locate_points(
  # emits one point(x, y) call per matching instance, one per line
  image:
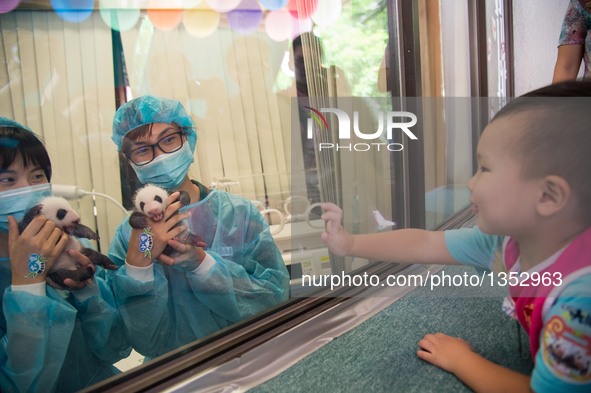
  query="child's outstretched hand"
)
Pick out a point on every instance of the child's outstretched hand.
point(339, 241)
point(444, 351)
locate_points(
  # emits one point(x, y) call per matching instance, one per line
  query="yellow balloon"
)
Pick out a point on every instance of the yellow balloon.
point(201, 22)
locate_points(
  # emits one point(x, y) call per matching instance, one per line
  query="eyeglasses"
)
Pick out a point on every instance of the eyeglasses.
point(145, 154)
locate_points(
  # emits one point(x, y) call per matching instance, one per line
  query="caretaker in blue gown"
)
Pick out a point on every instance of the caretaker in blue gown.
point(170, 300)
point(51, 340)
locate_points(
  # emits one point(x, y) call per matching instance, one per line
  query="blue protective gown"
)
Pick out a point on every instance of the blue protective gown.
point(57, 342)
point(178, 307)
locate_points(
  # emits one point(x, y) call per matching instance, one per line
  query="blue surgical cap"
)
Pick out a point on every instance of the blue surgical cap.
point(149, 109)
point(9, 123)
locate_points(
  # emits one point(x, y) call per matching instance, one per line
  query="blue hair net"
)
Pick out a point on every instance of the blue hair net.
point(149, 109)
point(9, 123)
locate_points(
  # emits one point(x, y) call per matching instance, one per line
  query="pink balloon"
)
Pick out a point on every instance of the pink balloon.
point(278, 25)
point(8, 5)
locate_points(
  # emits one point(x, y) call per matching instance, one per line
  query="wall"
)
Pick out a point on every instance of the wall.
point(536, 29)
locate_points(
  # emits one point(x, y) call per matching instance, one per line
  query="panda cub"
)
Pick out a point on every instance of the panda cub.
point(150, 201)
point(60, 212)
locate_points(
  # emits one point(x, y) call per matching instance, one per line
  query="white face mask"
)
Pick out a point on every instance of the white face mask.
point(18, 201)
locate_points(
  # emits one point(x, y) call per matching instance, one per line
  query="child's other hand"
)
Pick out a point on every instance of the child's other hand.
point(443, 351)
point(339, 241)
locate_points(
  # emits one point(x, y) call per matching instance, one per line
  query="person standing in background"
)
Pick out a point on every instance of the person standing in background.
point(575, 43)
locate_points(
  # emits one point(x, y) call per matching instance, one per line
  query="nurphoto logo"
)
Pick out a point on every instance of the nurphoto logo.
point(387, 123)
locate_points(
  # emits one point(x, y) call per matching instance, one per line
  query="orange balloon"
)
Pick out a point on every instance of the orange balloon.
point(165, 20)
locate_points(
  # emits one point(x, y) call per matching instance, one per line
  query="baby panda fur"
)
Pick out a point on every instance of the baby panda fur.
point(60, 212)
point(150, 201)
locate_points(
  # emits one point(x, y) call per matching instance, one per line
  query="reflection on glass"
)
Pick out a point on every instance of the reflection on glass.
point(242, 91)
point(60, 330)
point(243, 275)
point(230, 270)
point(497, 58)
point(235, 87)
point(448, 122)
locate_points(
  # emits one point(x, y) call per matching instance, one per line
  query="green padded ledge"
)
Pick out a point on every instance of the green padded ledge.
point(380, 354)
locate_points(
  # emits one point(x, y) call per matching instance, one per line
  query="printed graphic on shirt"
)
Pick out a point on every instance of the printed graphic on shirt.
point(567, 351)
point(528, 310)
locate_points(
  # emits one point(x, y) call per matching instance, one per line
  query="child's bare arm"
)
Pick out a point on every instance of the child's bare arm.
point(456, 356)
point(402, 246)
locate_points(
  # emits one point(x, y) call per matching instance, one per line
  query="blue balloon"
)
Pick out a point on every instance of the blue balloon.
point(74, 11)
point(273, 4)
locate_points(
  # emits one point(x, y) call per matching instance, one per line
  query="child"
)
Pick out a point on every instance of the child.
point(52, 340)
point(531, 196)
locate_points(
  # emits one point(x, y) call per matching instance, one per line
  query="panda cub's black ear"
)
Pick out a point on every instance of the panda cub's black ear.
point(184, 198)
point(29, 216)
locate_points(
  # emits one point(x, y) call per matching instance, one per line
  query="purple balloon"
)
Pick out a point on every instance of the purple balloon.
point(8, 5)
point(274, 4)
point(245, 18)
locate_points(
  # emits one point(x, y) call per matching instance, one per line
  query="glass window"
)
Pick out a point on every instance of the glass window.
point(267, 84)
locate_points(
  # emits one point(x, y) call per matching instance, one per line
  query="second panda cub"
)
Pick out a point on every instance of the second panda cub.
point(60, 212)
point(150, 201)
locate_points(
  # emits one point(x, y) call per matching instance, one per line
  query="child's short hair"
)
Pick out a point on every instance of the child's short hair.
point(15, 141)
point(556, 137)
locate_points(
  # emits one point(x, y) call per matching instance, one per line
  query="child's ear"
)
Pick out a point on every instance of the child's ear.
point(555, 194)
